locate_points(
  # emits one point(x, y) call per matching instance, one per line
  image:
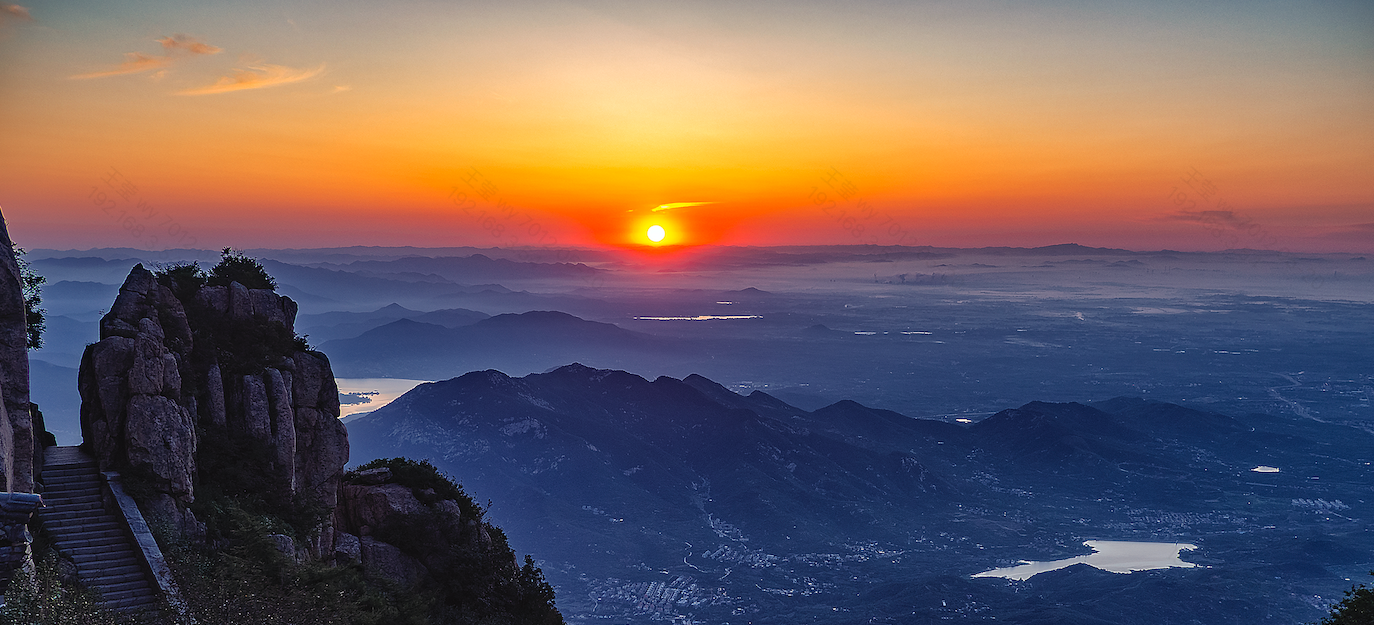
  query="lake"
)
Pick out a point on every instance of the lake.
point(1117, 556)
point(379, 392)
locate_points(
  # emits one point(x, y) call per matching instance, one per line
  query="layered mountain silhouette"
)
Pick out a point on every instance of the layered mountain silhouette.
point(328, 326)
point(531, 341)
point(604, 473)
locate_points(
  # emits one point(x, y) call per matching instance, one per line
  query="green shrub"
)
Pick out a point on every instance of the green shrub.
point(1357, 608)
point(32, 285)
point(236, 267)
point(184, 279)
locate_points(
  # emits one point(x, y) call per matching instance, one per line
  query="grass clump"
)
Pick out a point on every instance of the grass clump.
point(53, 597)
point(244, 579)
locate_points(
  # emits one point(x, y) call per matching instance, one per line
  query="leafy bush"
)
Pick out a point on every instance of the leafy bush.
point(248, 346)
point(236, 267)
point(35, 317)
point(184, 279)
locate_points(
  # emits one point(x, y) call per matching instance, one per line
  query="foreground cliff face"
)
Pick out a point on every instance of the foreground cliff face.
point(17, 432)
point(172, 367)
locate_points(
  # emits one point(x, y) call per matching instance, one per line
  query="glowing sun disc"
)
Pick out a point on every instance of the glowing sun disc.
point(656, 233)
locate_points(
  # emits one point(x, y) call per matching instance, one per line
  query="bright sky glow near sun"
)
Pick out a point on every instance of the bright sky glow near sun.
point(291, 124)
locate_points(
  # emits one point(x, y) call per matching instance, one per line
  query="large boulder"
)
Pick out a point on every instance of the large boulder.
point(388, 561)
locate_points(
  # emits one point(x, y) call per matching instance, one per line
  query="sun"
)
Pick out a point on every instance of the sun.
point(656, 233)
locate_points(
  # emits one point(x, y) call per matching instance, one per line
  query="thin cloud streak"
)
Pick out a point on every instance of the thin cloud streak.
point(188, 44)
point(137, 62)
point(668, 207)
point(134, 63)
point(255, 77)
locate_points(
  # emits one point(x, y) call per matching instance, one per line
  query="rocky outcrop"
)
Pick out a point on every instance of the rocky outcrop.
point(403, 534)
point(18, 443)
point(167, 367)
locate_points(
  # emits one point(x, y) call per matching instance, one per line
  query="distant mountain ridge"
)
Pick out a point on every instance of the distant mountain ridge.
point(614, 478)
point(530, 341)
point(479, 267)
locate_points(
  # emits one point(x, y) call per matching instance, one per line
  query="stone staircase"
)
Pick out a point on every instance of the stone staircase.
point(95, 539)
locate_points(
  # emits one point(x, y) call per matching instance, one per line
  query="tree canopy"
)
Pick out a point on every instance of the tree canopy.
point(1356, 609)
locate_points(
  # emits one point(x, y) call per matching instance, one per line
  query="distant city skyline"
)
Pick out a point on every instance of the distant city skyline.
point(1162, 126)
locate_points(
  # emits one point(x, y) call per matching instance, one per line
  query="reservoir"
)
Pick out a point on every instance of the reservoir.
point(1117, 556)
point(378, 391)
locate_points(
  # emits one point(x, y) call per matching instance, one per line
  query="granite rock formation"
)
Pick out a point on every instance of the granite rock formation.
point(19, 451)
point(173, 365)
point(20, 421)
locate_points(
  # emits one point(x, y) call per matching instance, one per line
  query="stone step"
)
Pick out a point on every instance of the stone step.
point(104, 554)
point(68, 486)
point(121, 578)
point(100, 567)
point(48, 478)
point(113, 532)
point(121, 595)
point(69, 470)
point(95, 561)
point(50, 496)
point(65, 456)
point(89, 551)
point(89, 524)
point(103, 541)
point(102, 575)
point(133, 604)
point(74, 496)
point(62, 516)
point(123, 586)
point(75, 504)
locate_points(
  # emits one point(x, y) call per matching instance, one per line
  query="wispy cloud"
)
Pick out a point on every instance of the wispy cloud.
point(137, 62)
point(14, 12)
point(188, 44)
point(668, 207)
point(134, 62)
point(258, 76)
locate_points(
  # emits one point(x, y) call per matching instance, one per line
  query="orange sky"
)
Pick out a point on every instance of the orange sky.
point(259, 125)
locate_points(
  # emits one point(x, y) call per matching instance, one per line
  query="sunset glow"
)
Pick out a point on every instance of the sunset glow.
point(959, 125)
